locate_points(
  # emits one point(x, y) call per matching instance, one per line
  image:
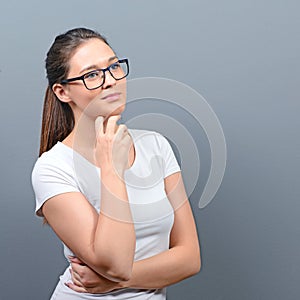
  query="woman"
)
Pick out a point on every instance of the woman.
point(114, 196)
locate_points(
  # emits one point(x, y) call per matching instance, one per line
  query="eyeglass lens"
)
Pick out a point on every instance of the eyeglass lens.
point(95, 79)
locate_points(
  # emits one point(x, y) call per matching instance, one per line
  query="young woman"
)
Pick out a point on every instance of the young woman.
point(113, 195)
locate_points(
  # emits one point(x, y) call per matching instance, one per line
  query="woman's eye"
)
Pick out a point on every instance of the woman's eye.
point(115, 66)
point(92, 75)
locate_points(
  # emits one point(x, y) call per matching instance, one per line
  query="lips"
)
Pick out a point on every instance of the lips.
point(111, 97)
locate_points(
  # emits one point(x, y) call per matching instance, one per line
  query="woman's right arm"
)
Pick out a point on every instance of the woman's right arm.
point(105, 241)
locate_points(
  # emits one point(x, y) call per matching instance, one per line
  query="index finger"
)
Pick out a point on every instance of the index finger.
point(99, 125)
point(111, 124)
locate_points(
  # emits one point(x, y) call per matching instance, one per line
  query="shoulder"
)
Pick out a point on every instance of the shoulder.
point(56, 160)
point(53, 174)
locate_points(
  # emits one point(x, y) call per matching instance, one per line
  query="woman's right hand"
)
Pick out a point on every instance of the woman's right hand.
point(112, 145)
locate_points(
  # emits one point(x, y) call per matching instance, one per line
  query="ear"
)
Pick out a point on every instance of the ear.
point(61, 92)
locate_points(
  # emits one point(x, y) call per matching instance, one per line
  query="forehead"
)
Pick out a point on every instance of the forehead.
point(91, 52)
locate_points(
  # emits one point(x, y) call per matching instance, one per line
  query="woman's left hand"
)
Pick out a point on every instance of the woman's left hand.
point(85, 280)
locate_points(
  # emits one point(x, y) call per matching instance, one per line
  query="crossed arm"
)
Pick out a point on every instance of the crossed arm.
point(180, 261)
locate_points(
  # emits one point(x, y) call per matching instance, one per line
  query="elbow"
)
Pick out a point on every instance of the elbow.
point(112, 267)
point(119, 275)
point(120, 271)
point(195, 265)
point(114, 272)
point(196, 261)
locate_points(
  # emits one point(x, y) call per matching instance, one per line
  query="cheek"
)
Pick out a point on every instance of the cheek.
point(87, 101)
point(122, 85)
point(95, 107)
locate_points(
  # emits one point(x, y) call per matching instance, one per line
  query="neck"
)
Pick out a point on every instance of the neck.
point(83, 137)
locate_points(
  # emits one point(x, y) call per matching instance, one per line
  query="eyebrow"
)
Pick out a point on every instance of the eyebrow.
point(92, 67)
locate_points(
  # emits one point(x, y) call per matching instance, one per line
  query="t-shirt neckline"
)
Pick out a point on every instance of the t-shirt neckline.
point(71, 150)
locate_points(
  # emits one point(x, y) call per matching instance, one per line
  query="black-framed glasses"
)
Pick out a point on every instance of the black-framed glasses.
point(96, 78)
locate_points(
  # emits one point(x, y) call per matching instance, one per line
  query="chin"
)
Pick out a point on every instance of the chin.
point(94, 110)
point(117, 111)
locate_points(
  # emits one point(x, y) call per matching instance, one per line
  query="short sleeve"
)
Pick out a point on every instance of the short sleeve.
point(50, 179)
point(170, 163)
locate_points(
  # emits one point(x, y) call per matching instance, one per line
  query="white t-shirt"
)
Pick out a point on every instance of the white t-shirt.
point(62, 170)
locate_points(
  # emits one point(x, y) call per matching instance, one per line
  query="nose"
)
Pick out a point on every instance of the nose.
point(109, 80)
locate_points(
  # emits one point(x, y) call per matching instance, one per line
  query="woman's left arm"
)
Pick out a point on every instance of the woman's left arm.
point(181, 261)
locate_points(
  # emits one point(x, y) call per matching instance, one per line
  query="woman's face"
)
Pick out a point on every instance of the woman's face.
point(107, 100)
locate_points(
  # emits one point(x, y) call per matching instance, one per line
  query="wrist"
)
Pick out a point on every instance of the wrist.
point(112, 172)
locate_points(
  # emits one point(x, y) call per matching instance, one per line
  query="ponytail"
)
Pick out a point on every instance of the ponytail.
point(57, 121)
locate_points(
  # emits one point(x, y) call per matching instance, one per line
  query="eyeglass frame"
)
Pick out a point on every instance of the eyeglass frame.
point(66, 81)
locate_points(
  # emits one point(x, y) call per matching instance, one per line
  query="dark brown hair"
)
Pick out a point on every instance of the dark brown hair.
point(58, 119)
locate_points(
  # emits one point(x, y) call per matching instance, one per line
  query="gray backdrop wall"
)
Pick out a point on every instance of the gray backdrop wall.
point(244, 58)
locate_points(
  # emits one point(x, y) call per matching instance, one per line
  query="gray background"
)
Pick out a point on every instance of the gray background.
point(243, 57)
